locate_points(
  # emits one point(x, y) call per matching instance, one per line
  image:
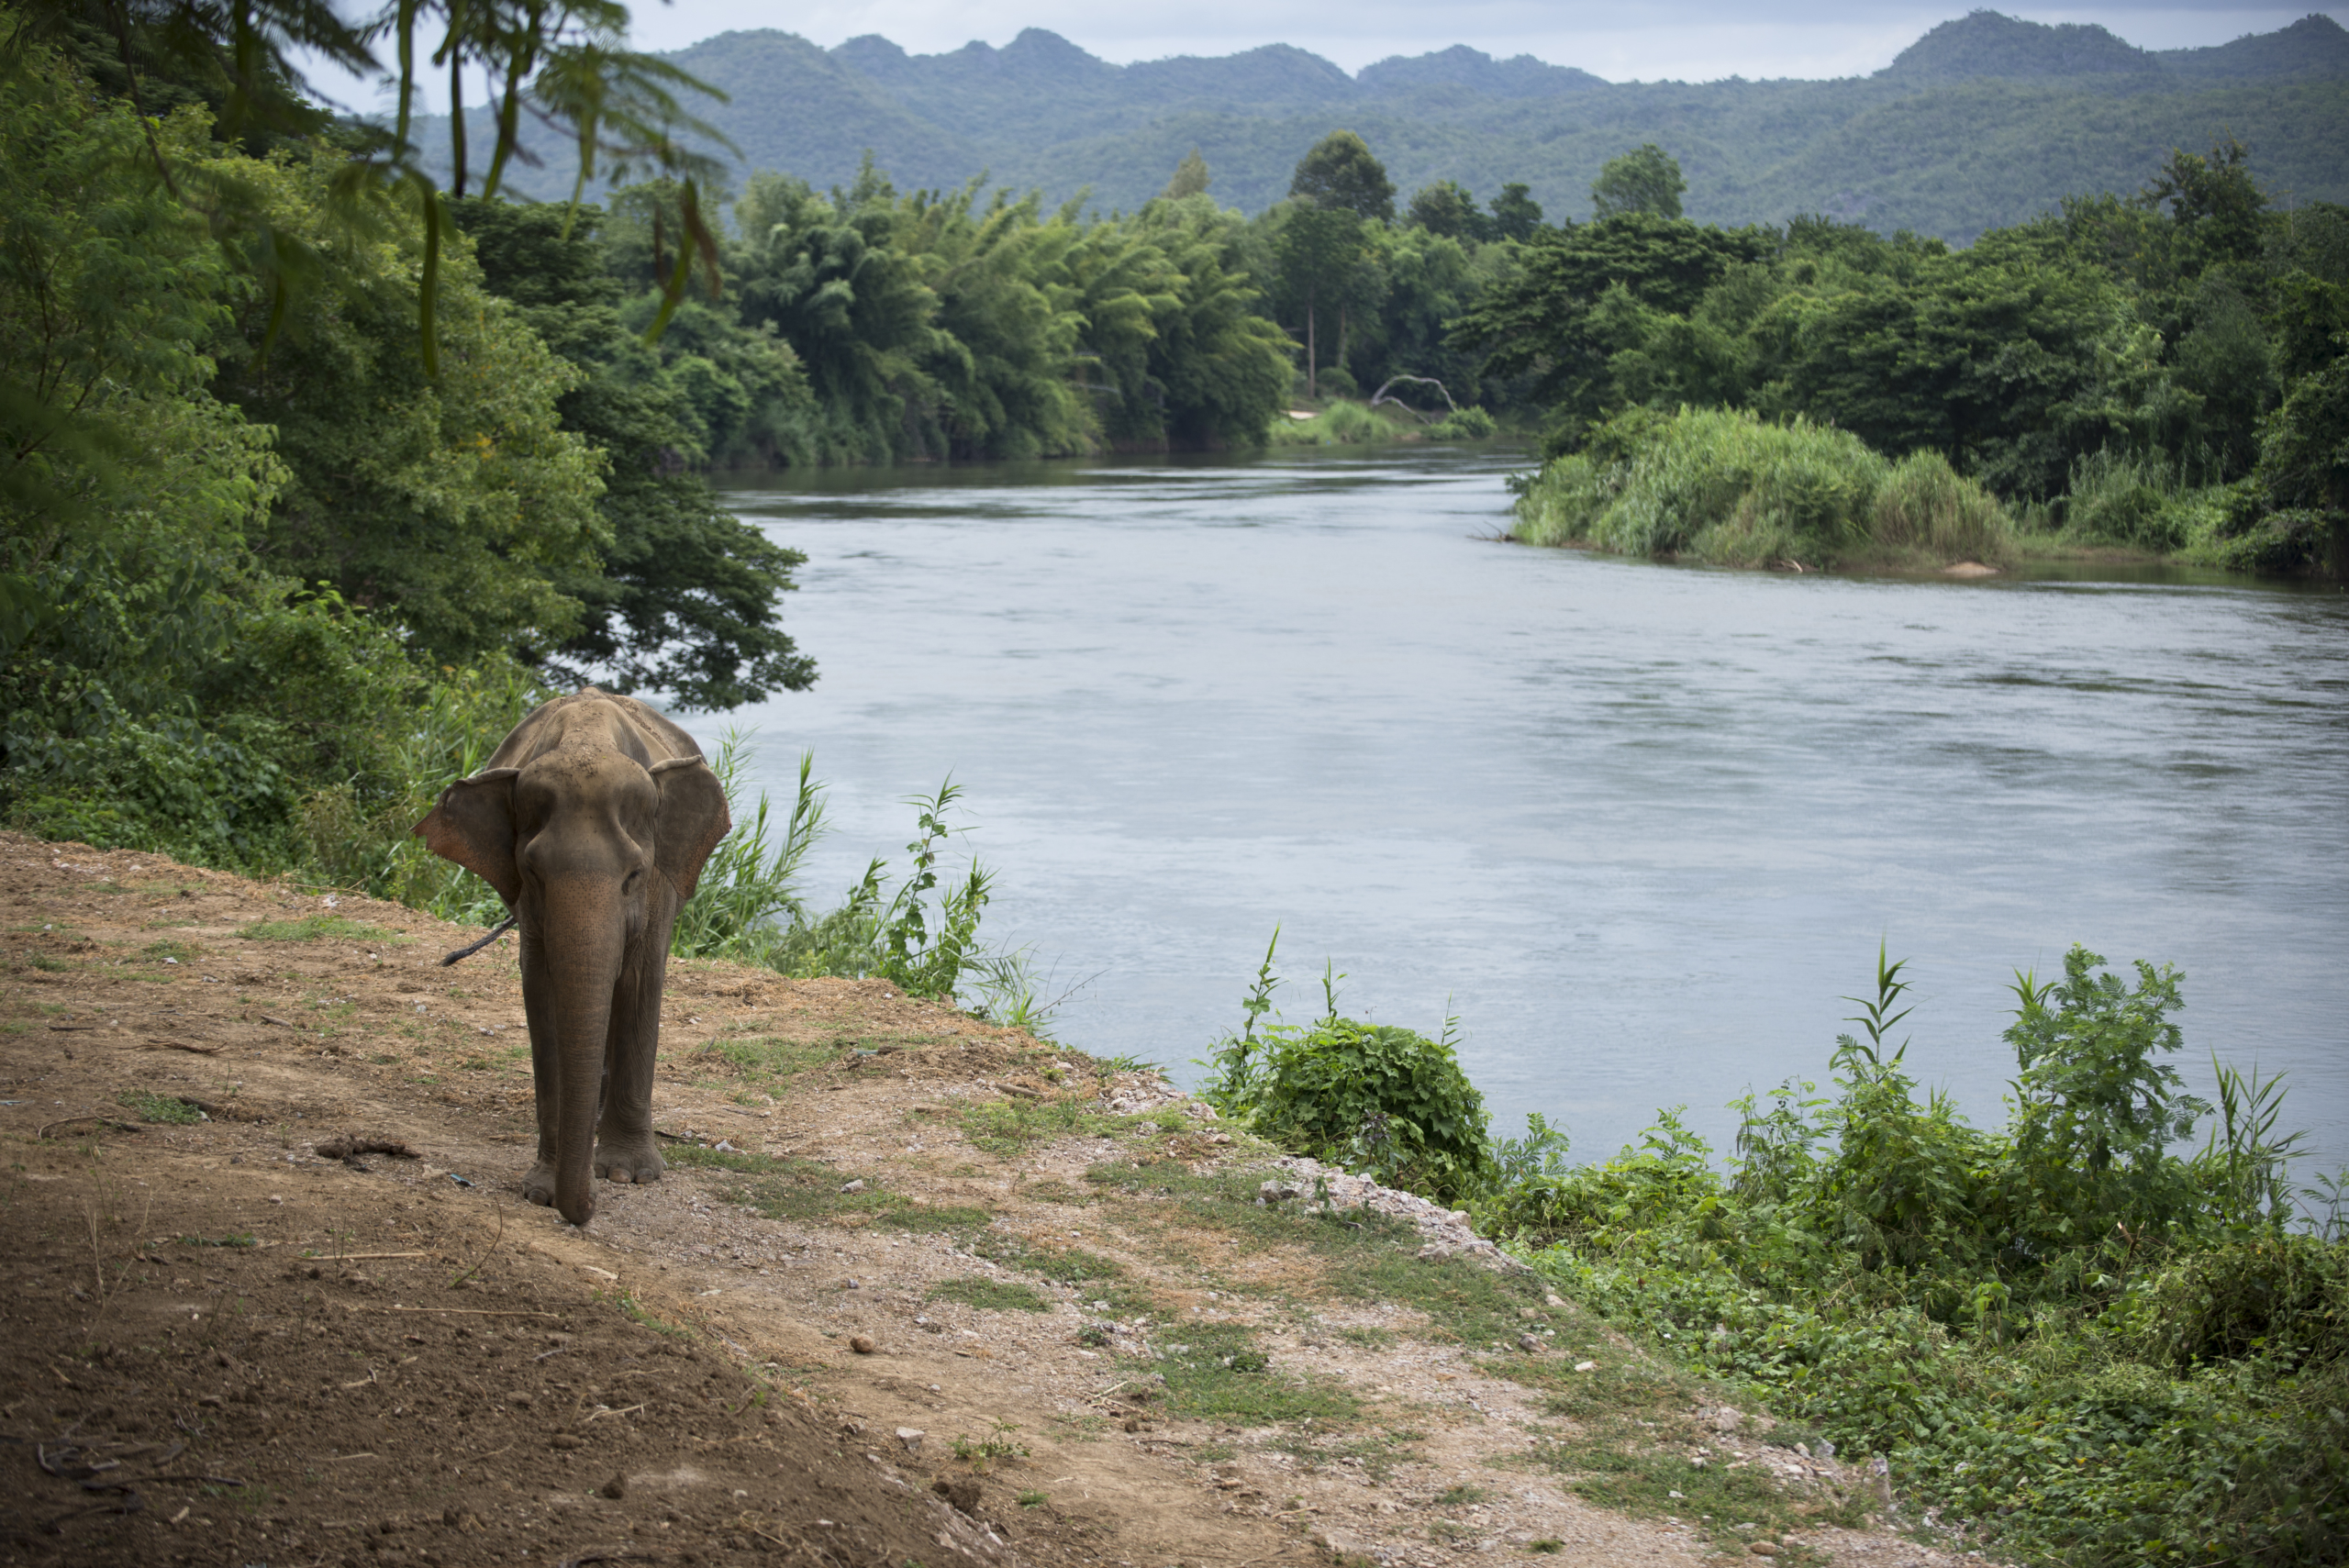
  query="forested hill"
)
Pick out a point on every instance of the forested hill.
point(1984, 121)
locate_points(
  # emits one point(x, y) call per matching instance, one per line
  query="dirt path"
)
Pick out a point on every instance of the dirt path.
point(916, 1290)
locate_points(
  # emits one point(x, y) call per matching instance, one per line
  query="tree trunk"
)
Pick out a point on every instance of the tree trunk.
point(1312, 383)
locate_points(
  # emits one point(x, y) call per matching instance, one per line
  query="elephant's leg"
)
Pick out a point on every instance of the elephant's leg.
point(625, 1148)
point(538, 993)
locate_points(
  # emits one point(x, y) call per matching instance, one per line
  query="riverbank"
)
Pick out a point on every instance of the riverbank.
point(913, 1286)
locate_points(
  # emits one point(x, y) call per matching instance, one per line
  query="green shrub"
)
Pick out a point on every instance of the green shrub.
point(1469, 424)
point(1923, 504)
point(1340, 424)
point(2127, 498)
point(1368, 1097)
point(1726, 486)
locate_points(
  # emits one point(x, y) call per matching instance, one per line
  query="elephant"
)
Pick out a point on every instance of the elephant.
point(592, 819)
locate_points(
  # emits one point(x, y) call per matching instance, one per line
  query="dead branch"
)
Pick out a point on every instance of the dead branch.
point(105, 1121)
point(1380, 395)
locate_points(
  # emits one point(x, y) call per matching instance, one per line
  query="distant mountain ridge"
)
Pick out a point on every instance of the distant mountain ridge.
point(1983, 120)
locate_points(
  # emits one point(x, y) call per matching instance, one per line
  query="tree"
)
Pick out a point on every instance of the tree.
point(1516, 215)
point(2213, 201)
point(453, 503)
point(1213, 373)
point(1322, 258)
point(687, 597)
point(1190, 177)
point(1340, 174)
point(1448, 208)
point(1647, 180)
point(1556, 314)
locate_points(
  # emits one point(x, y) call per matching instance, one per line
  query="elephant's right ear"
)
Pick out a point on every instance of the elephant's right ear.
point(473, 826)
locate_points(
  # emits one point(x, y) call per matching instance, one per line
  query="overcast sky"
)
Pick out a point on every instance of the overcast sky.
point(1690, 40)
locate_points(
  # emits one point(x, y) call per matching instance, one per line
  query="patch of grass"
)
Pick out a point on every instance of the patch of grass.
point(42, 960)
point(1217, 1372)
point(700, 1157)
point(1011, 1127)
point(1375, 1257)
point(477, 1064)
point(805, 1191)
point(989, 1294)
point(771, 1059)
point(1621, 1382)
point(1464, 1303)
point(1377, 1455)
point(638, 1313)
point(1068, 1265)
point(319, 927)
point(1461, 1496)
point(1619, 1464)
point(234, 1239)
point(168, 1110)
point(164, 950)
point(1368, 1338)
point(1056, 1192)
point(1034, 1499)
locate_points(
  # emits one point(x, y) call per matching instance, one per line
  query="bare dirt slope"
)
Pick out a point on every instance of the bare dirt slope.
point(915, 1290)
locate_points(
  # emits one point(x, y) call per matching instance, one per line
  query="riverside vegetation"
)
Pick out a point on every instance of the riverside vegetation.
point(2077, 1335)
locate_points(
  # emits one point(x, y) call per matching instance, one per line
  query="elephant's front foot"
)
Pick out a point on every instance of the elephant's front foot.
point(537, 1187)
point(627, 1159)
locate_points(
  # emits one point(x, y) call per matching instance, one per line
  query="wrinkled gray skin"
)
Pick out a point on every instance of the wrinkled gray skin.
point(592, 821)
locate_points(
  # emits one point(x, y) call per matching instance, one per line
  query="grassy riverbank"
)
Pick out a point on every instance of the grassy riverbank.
point(2077, 1336)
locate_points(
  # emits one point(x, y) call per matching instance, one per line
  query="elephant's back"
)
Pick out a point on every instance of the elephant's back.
point(591, 719)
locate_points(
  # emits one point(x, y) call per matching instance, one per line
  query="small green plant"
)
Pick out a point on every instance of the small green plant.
point(168, 1110)
point(1461, 1495)
point(1096, 1336)
point(1002, 1441)
point(1032, 1499)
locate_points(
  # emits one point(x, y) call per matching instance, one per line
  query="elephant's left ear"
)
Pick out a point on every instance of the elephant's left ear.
point(692, 819)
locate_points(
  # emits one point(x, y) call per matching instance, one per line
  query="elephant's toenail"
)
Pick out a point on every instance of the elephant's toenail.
point(621, 1175)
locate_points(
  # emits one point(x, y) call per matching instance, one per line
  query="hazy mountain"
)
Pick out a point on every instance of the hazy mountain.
point(1983, 120)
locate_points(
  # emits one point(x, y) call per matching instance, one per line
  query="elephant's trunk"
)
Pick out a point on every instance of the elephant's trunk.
point(585, 946)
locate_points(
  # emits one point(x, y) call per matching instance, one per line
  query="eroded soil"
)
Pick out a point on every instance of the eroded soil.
point(914, 1290)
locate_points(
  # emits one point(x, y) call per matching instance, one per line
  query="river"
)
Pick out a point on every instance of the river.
point(1641, 827)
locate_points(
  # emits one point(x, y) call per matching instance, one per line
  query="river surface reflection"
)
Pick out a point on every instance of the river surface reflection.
point(1640, 826)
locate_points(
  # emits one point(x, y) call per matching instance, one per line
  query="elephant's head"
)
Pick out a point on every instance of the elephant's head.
point(593, 852)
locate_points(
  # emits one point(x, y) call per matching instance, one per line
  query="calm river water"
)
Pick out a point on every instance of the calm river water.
point(1641, 827)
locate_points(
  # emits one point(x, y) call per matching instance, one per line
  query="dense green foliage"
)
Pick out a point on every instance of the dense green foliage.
point(1976, 126)
point(1376, 1097)
point(266, 581)
point(866, 326)
point(2159, 373)
point(2078, 1336)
